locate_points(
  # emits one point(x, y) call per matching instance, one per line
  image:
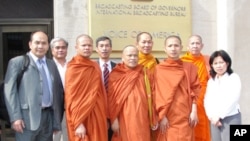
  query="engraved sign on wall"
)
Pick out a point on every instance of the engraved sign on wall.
point(122, 20)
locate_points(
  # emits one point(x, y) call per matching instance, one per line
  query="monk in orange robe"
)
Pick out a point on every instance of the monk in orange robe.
point(176, 90)
point(195, 45)
point(144, 43)
point(85, 96)
point(127, 99)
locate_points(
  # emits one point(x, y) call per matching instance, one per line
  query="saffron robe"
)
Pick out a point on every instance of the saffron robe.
point(85, 99)
point(147, 60)
point(176, 88)
point(127, 101)
point(202, 129)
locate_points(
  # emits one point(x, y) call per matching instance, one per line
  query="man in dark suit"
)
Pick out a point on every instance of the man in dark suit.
point(59, 50)
point(36, 108)
point(104, 48)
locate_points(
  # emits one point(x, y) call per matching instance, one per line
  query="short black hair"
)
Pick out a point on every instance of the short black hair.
point(34, 32)
point(103, 38)
point(225, 56)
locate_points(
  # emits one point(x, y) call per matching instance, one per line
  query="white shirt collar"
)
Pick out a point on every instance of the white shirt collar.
point(58, 64)
point(101, 63)
point(225, 75)
point(35, 58)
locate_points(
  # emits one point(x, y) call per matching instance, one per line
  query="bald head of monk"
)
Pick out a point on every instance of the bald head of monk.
point(173, 47)
point(144, 42)
point(130, 56)
point(195, 45)
point(84, 45)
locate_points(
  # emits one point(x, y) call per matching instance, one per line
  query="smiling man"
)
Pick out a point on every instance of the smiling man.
point(59, 47)
point(127, 99)
point(104, 49)
point(144, 43)
point(36, 107)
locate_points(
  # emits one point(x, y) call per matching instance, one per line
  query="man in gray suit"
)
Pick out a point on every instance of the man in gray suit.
point(36, 108)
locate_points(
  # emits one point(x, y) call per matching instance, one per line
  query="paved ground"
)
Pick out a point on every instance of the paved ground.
point(7, 134)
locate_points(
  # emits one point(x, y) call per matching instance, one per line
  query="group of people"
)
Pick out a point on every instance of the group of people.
point(180, 98)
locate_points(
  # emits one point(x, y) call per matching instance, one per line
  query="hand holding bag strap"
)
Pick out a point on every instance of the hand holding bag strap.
point(24, 68)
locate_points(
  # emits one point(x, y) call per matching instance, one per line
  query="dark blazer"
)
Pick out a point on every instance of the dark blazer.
point(110, 132)
point(113, 64)
point(25, 103)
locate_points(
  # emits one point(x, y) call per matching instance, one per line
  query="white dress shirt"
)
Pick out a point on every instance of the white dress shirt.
point(101, 64)
point(47, 74)
point(222, 96)
point(62, 70)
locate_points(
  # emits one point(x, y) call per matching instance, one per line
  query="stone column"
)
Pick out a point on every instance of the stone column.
point(70, 20)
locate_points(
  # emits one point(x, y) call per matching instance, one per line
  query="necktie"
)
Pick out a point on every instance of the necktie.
point(45, 84)
point(106, 75)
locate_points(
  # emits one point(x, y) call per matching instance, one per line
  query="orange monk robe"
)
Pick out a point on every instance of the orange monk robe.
point(176, 87)
point(147, 60)
point(202, 130)
point(127, 101)
point(85, 99)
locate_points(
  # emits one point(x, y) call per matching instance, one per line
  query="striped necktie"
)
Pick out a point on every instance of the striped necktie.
point(106, 75)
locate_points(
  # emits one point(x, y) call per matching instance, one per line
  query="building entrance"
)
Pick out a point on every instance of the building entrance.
point(14, 41)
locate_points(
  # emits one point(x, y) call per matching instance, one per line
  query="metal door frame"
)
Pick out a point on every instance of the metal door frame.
point(22, 25)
